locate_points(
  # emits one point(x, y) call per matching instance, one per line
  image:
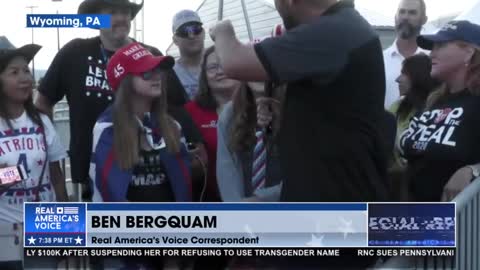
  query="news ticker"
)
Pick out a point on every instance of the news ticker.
point(239, 252)
point(238, 225)
point(95, 21)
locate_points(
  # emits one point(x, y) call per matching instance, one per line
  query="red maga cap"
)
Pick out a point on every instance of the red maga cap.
point(134, 59)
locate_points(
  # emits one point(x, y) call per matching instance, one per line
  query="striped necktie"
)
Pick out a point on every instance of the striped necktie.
point(259, 162)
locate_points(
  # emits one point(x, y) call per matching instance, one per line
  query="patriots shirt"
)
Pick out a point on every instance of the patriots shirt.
point(24, 145)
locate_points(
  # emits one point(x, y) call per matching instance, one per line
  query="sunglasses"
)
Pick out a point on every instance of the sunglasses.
point(148, 75)
point(189, 30)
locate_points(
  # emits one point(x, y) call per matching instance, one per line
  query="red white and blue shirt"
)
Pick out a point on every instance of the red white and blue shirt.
point(156, 170)
point(24, 144)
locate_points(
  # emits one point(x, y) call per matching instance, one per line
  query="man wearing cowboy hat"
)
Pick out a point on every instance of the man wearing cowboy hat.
point(78, 72)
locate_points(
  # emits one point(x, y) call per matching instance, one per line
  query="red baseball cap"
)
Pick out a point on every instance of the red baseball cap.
point(134, 59)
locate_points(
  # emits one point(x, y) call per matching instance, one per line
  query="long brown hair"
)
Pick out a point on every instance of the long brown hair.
point(31, 110)
point(126, 127)
point(204, 97)
point(473, 73)
point(418, 68)
point(244, 120)
point(244, 117)
point(472, 79)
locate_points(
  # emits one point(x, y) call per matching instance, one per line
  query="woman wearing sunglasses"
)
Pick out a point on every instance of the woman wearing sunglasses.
point(138, 152)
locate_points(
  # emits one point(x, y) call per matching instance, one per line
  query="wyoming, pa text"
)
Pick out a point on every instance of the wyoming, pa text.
point(96, 21)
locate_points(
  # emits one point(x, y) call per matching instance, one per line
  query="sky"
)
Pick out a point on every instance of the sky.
point(158, 18)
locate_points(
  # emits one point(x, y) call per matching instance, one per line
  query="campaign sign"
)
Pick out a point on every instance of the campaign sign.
point(411, 225)
point(55, 225)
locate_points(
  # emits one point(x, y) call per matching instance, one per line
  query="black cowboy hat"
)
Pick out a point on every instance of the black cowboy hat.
point(94, 6)
point(8, 52)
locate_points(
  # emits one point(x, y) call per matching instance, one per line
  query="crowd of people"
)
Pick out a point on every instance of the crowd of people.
point(314, 113)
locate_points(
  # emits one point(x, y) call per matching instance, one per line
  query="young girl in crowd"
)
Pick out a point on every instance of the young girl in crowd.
point(139, 153)
point(215, 90)
point(415, 84)
point(27, 139)
point(248, 168)
point(443, 140)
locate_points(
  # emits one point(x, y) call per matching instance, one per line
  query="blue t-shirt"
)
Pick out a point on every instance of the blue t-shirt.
point(188, 79)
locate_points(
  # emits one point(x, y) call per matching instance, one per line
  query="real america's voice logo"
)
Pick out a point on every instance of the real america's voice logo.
point(52, 217)
point(95, 21)
point(55, 225)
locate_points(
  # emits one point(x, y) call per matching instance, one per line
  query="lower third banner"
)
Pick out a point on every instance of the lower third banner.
point(239, 225)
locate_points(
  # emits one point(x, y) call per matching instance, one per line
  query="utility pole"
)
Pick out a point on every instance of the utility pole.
point(33, 40)
point(58, 29)
point(220, 10)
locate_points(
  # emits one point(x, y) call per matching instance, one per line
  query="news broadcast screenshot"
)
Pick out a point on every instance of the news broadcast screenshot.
point(239, 134)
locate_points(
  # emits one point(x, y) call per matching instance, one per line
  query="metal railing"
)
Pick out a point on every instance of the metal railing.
point(467, 256)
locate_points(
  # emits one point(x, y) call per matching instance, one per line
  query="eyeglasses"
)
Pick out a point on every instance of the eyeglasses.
point(148, 75)
point(213, 67)
point(189, 30)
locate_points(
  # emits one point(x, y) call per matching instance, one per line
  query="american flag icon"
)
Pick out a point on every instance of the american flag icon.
point(70, 210)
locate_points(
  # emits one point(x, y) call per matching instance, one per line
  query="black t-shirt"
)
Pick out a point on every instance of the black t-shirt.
point(78, 72)
point(150, 182)
point(331, 145)
point(439, 141)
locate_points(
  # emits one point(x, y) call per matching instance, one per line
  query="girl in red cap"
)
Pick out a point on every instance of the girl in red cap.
point(139, 153)
point(138, 149)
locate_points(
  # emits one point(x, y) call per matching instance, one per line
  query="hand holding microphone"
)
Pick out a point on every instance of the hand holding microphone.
point(267, 108)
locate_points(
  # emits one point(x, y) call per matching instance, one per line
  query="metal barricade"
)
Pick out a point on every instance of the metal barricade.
point(468, 238)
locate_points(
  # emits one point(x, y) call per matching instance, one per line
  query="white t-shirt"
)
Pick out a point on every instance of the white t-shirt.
point(25, 146)
point(393, 66)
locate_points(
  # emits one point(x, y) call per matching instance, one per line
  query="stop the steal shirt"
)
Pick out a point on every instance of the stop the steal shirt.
point(440, 141)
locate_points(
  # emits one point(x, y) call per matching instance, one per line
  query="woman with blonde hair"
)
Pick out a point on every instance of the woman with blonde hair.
point(139, 152)
point(442, 143)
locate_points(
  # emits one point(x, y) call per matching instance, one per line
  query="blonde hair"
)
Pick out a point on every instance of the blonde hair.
point(126, 128)
point(472, 78)
point(473, 73)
